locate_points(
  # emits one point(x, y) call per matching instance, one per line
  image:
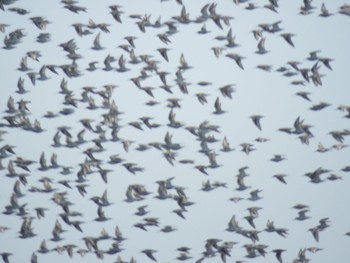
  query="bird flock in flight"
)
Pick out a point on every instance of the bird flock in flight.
point(96, 133)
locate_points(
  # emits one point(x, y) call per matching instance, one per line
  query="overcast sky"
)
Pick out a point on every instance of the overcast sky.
point(271, 95)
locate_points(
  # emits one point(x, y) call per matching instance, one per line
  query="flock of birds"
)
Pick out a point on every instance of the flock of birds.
point(94, 125)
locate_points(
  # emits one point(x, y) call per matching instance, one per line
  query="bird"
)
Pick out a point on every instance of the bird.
point(226, 145)
point(141, 210)
point(319, 106)
point(96, 43)
point(254, 195)
point(261, 46)
point(315, 175)
point(218, 51)
point(101, 217)
point(240, 178)
point(281, 178)
point(324, 11)
point(264, 67)
point(278, 253)
point(183, 63)
point(203, 30)
point(26, 230)
point(313, 55)
point(326, 62)
point(304, 95)
point(168, 229)
point(302, 215)
point(149, 253)
point(323, 223)
point(5, 256)
point(277, 158)
point(247, 148)
point(164, 53)
point(237, 58)
point(315, 232)
point(288, 38)
point(164, 38)
point(202, 97)
point(256, 120)
point(217, 106)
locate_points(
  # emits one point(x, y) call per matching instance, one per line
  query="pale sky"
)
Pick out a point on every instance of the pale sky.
point(256, 92)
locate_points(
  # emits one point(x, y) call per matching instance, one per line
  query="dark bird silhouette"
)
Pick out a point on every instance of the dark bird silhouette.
point(149, 253)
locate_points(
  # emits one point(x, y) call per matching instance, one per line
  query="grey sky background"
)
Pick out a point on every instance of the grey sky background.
point(256, 92)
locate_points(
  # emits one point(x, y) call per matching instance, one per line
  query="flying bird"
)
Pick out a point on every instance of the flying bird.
point(237, 58)
point(256, 120)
